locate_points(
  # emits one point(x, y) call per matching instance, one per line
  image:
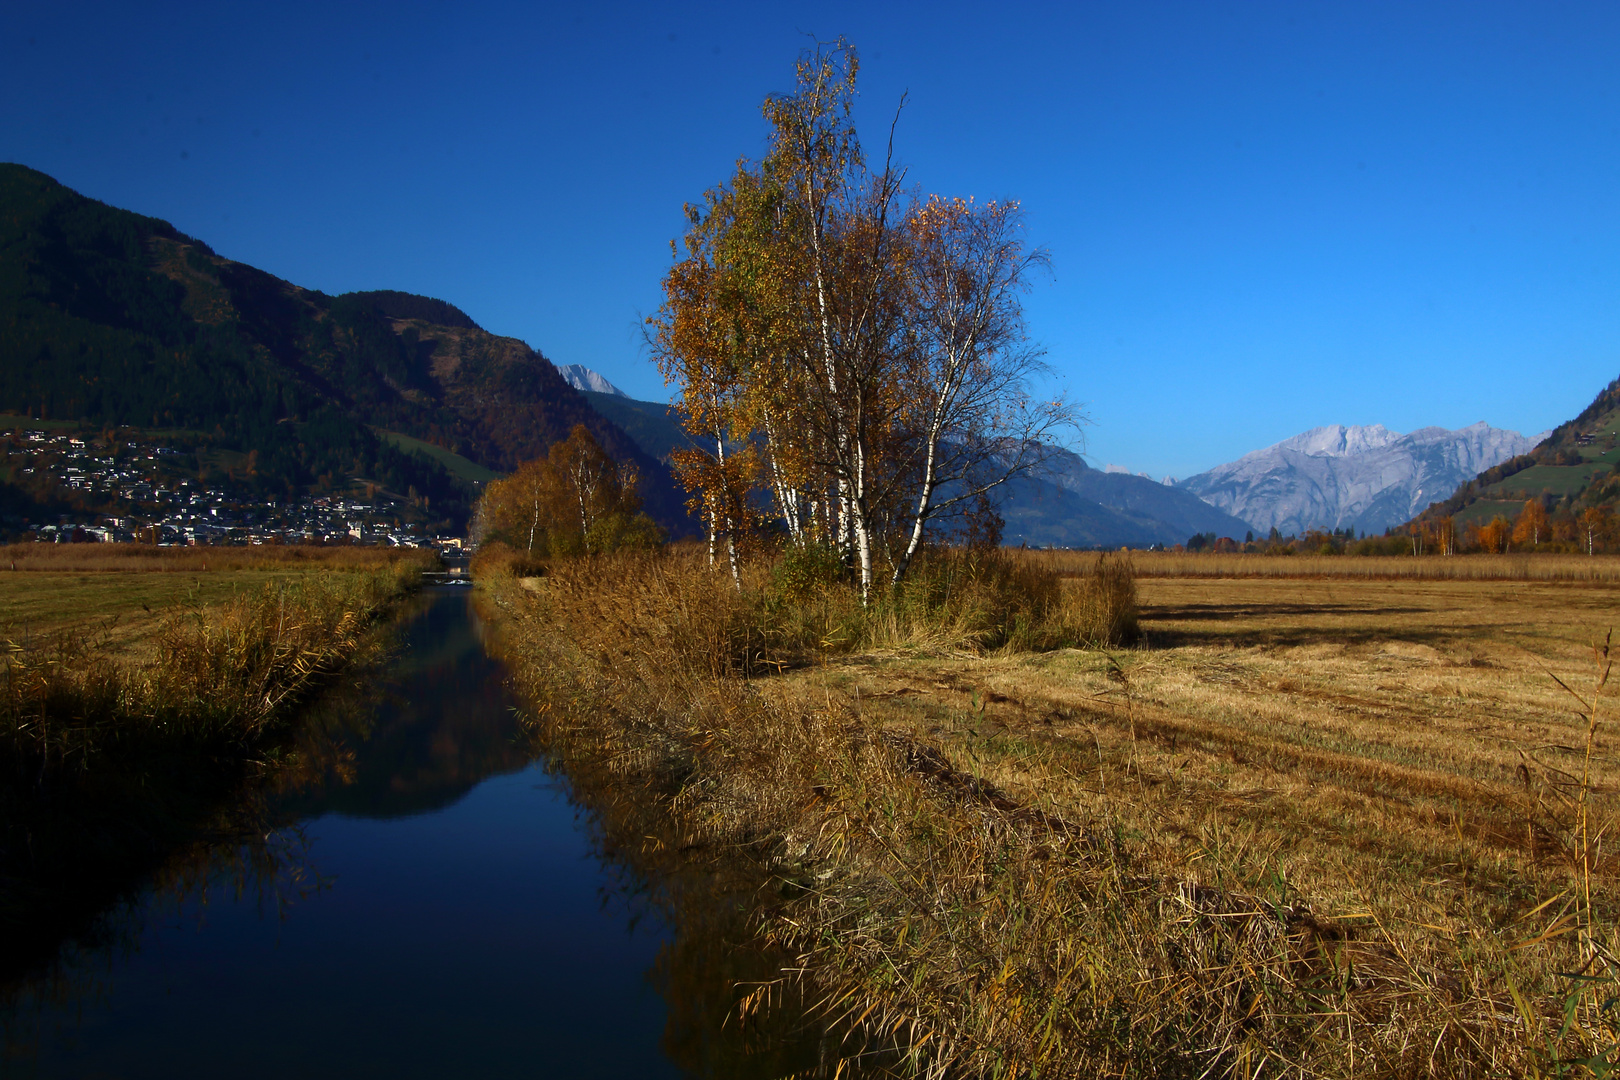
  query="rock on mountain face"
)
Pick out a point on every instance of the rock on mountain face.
point(1069, 504)
point(581, 377)
point(1364, 478)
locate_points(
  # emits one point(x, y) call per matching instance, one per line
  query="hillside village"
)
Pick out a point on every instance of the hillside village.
point(120, 489)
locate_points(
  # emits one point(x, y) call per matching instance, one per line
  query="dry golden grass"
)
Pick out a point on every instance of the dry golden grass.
point(1371, 750)
point(117, 595)
point(1519, 567)
point(1309, 827)
point(83, 558)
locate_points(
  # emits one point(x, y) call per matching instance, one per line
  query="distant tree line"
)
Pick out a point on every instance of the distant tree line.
point(1540, 525)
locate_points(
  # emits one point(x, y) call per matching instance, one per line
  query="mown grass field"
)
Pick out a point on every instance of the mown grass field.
point(121, 609)
point(1512, 567)
point(1359, 734)
point(1372, 750)
point(1557, 479)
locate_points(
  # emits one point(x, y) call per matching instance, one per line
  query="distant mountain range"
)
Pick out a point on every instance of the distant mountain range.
point(1070, 504)
point(1362, 478)
point(114, 319)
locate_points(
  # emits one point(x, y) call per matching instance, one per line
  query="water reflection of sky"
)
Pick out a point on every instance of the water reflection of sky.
point(462, 927)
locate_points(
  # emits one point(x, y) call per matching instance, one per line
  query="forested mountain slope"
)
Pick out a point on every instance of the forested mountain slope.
point(1571, 470)
point(117, 319)
point(656, 427)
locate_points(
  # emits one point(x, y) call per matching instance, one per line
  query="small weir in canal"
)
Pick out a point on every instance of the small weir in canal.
point(426, 900)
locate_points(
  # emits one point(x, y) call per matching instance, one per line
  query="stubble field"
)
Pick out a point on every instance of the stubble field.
point(1385, 717)
point(1395, 758)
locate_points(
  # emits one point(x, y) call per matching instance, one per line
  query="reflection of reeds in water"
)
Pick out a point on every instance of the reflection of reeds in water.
point(251, 858)
point(107, 770)
point(163, 834)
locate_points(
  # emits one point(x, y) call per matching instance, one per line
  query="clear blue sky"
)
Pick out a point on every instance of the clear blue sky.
point(1262, 217)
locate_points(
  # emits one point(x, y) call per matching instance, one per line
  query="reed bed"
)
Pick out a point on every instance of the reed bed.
point(784, 615)
point(220, 672)
point(1477, 567)
point(149, 558)
point(991, 862)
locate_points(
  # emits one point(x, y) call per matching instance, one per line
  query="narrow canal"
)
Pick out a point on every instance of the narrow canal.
point(426, 902)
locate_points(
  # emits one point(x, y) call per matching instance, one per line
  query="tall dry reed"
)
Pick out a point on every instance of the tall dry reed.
point(1558, 808)
point(783, 615)
point(219, 673)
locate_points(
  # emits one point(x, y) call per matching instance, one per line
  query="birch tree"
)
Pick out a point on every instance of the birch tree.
point(853, 353)
point(968, 361)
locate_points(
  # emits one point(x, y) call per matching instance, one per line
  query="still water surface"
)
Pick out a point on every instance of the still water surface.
point(430, 905)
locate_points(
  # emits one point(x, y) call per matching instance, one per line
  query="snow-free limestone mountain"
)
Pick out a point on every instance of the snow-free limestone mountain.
point(583, 378)
point(1363, 478)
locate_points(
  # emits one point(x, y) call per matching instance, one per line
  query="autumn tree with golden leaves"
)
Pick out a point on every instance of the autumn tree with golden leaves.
point(574, 500)
point(1532, 526)
point(850, 354)
point(1493, 536)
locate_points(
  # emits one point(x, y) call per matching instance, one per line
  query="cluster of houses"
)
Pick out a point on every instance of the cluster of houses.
point(151, 499)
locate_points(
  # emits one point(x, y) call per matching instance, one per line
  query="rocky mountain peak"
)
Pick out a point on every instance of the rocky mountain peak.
point(581, 377)
point(1365, 478)
point(1338, 440)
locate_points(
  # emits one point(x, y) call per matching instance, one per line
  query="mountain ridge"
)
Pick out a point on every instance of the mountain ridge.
point(1366, 478)
point(583, 379)
point(114, 318)
point(1070, 504)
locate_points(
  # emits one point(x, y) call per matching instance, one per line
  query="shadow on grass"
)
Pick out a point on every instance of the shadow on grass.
point(1287, 625)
